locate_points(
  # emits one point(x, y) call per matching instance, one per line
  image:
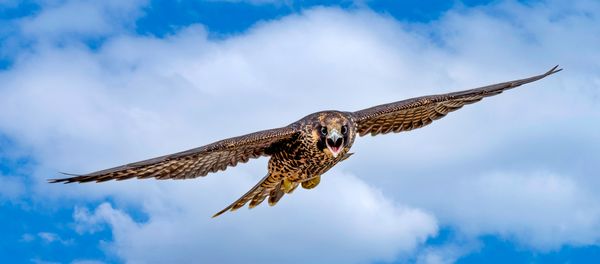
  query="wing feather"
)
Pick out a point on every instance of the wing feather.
point(421, 111)
point(195, 162)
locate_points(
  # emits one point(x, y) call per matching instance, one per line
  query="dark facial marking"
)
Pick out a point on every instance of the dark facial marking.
point(321, 145)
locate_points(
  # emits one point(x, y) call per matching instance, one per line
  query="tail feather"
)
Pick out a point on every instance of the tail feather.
point(258, 199)
point(275, 195)
point(263, 187)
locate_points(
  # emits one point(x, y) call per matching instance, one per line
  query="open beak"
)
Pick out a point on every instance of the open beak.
point(334, 142)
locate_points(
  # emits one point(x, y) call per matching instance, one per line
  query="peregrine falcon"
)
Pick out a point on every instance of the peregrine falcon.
point(302, 151)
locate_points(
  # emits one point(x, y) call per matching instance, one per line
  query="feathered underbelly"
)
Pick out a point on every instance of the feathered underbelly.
point(299, 168)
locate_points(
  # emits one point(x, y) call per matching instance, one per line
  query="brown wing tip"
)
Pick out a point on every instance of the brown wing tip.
point(65, 180)
point(228, 208)
point(554, 70)
point(517, 83)
point(220, 212)
point(55, 180)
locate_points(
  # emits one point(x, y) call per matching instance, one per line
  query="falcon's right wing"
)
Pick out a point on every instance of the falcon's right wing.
point(195, 162)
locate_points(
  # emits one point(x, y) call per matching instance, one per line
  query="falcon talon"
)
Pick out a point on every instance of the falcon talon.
point(302, 151)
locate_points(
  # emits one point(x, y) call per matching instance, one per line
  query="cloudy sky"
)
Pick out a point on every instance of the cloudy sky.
point(86, 85)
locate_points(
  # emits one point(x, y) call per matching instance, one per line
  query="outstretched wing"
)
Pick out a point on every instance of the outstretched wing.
point(418, 112)
point(195, 162)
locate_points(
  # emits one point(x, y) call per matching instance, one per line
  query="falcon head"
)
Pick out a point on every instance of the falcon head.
point(333, 133)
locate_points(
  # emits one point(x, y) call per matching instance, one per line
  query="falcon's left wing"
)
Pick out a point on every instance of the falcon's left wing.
point(421, 111)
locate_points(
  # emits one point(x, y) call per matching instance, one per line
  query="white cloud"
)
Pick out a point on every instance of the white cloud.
point(27, 237)
point(59, 19)
point(441, 255)
point(11, 188)
point(520, 165)
point(343, 216)
point(540, 209)
point(47, 237)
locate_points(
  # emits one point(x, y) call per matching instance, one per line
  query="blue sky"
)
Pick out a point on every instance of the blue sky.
point(86, 85)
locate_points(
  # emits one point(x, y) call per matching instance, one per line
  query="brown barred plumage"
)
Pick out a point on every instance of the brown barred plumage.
point(302, 151)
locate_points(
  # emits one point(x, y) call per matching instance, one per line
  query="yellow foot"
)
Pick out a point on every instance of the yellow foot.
point(288, 186)
point(312, 183)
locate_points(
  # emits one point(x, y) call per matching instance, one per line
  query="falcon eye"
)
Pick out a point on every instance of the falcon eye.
point(324, 131)
point(344, 130)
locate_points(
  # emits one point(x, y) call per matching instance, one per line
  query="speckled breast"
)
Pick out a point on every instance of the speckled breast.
point(303, 160)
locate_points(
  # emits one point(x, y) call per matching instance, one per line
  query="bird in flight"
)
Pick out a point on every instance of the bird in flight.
point(302, 151)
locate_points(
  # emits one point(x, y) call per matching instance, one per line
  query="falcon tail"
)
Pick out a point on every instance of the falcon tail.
point(270, 186)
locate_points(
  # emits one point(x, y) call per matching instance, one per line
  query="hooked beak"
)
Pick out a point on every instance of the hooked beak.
point(334, 142)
